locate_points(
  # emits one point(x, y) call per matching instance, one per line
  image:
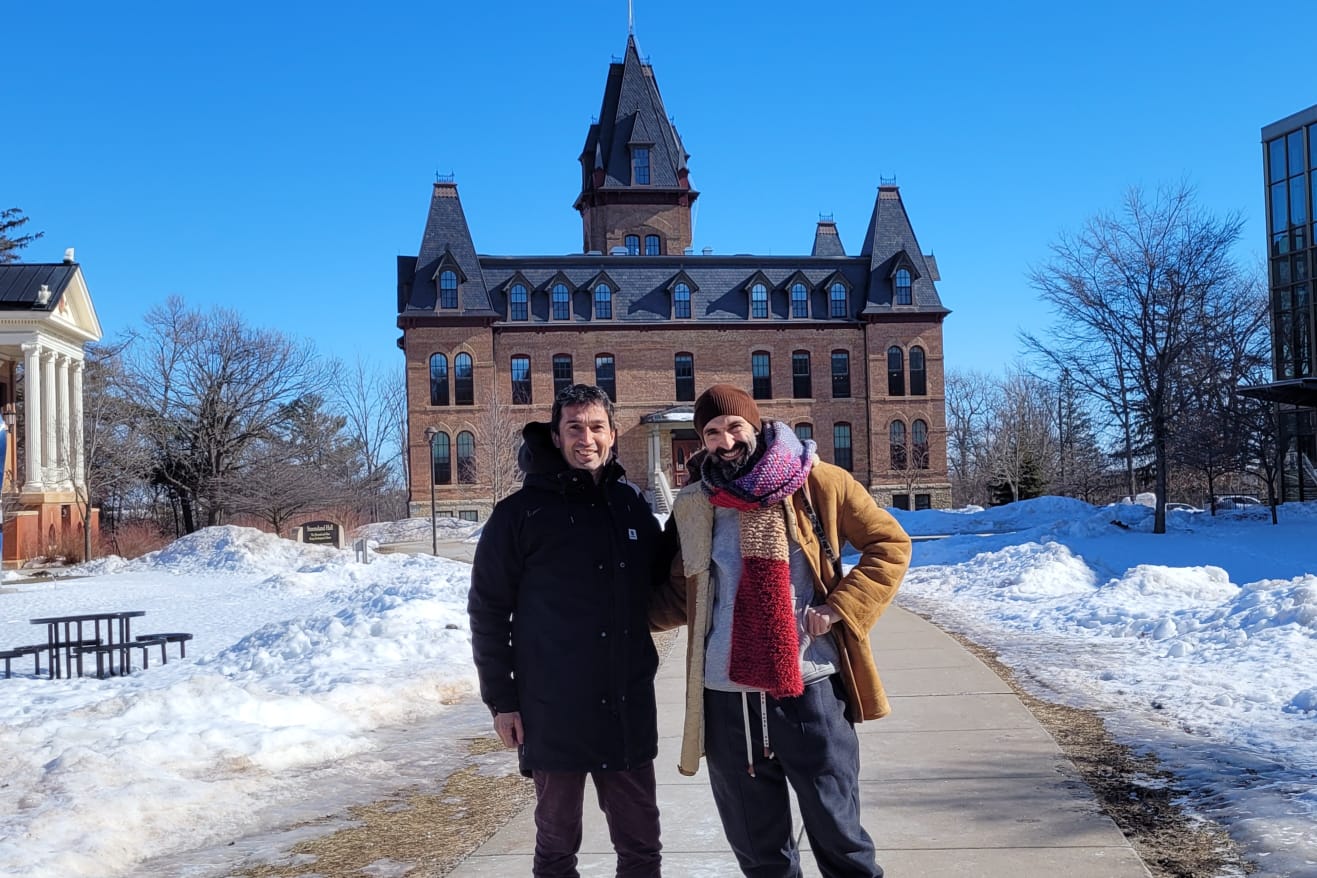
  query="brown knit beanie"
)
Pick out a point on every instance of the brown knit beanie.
point(724, 399)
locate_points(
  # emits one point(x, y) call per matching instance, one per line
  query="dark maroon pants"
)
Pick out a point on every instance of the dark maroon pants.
point(630, 806)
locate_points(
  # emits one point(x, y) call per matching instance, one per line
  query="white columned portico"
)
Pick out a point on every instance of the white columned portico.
point(78, 456)
point(63, 435)
point(32, 419)
point(49, 452)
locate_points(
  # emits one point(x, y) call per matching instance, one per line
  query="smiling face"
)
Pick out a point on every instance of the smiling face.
point(729, 438)
point(585, 438)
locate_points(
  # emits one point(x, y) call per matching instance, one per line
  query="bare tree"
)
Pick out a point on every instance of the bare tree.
point(1020, 446)
point(373, 403)
point(209, 387)
point(1134, 293)
point(498, 437)
point(971, 398)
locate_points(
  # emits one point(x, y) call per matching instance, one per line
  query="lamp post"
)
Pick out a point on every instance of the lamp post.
point(430, 433)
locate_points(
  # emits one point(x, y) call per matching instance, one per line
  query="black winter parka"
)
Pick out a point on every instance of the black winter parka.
point(559, 592)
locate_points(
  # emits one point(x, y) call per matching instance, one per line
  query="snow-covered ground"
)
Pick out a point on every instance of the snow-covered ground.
point(307, 665)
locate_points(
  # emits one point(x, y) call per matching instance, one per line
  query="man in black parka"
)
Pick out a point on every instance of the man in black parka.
point(559, 630)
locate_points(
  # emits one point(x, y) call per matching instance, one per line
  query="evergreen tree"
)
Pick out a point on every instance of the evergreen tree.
point(11, 220)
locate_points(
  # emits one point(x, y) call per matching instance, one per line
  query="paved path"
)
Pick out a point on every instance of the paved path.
point(959, 782)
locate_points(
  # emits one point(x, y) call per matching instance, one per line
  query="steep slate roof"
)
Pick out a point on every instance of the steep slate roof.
point(445, 243)
point(21, 282)
point(890, 240)
point(826, 240)
point(632, 113)
point(642, 285)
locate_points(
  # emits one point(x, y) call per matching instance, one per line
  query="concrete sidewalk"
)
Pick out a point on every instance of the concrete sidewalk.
point(960, 781)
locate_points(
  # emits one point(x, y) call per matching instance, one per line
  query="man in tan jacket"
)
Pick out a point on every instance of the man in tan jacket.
point(778, 664)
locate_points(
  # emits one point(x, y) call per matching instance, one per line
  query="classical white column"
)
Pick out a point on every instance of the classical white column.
point(75, 413)
point(63, 431)
point(49, 449)
point(32, 417)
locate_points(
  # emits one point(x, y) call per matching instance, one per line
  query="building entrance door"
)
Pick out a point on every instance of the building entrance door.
point(683, 446)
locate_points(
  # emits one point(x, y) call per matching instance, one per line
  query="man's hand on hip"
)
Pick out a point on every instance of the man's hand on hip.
point(508, 727)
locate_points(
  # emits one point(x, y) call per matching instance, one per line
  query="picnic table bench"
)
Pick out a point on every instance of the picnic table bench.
point(65, 644)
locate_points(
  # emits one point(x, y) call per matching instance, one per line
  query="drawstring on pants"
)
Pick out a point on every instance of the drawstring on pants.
point(763, 724)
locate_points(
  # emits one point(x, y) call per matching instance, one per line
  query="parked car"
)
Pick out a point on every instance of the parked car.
point(1235, 501)
point(1181, 507)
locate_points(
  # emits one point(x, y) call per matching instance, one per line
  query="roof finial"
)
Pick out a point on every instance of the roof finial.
point(630, 18)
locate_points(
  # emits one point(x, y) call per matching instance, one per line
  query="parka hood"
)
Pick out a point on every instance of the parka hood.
point(540, 457)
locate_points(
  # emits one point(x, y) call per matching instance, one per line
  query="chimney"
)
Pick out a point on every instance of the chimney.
point(68, 256)
point(707, 251)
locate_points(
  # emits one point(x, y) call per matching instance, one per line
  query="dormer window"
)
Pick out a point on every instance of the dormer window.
point(759, 301)
point(603, 302)
point(903, 296)
point(517, 303)
point(652, 246)
point(837, 300)
point(561, 300)
point(633, 245)
point(681, 300)
point(799, 300)
point(447, 289)
point(640, 165)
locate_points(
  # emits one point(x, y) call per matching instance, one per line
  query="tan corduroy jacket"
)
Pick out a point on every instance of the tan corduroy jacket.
point(848, 515)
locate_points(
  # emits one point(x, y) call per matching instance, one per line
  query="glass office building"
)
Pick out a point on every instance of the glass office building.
point(1289, 153)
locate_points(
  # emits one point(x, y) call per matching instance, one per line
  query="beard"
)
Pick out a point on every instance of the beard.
point(733, 461)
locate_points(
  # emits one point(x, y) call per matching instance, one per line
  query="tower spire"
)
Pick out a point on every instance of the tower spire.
point(630, 18)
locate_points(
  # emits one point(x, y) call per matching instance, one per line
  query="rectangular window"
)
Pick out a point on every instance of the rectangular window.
point(841, 375)
point(652, 246)
point(901, 501)
point(804, 431)
point(684, 372)
point(521, 380)
point(640, 166)
point(605, 375)
point(801, 379)
point(841, 446)
point(762, 375)
point(468, 515)
point(923, 501)
point(562, 373)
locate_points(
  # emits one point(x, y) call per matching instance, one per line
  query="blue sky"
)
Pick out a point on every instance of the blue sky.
point(276, 157)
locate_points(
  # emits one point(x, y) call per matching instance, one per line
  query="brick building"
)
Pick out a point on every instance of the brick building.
point(846, 349)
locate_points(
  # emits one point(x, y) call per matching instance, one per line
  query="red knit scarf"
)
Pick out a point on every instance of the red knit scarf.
point(765, 640)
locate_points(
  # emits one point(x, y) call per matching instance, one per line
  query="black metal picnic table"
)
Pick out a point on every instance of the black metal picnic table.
point(60, 637)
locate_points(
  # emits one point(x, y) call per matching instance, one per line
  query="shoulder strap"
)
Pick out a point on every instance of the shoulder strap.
point(818, 532)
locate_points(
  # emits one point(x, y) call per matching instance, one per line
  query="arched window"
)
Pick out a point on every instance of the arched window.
point(761, 373)
point(804, 431)
point(517, 308)
point(447, 289)
point(799, 300)
point(562, 373)
point(903, 296)
point(841, 446)
point(918, 376)
point(441, 459)
point(802, 379)
point(681, 300)
point(841, 375)
point(653, 247)
point(683, 370)
point(562, 301)
point(438, 379)
point(605, 375)
point(919, 445)
point(632, 245)
point(837, 300)
point(520, 382)
point(466, 458)
point(895, 371)
point(896, 443)
point(464, 381)
point(603, 302)
point(759, 301)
